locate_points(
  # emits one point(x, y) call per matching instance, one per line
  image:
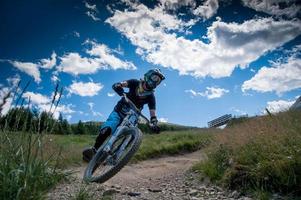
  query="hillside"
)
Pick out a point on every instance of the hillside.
point(259, 155)
point(92, 127)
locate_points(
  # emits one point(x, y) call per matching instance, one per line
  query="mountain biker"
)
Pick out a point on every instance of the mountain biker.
point(140, 92)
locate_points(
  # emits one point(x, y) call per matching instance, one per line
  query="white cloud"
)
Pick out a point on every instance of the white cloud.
point(85, 89)
point(118, 50)
point(279, 78)
point(13, 81)
point(75, 64)
point(230, 45)
point(43, 103)
point(192, 92)
point(49, 63)
point(29, 68)
point(90, 104)
point(175, 4)
point(91, 7)
point(111, 94)
point(68, 117)
point(92, 11)
point(278, 106)
point(32, 69)
point(146, 21)
point(289, 8)
point(54, 78)
point(240, 112)
point(162, 119)
point(107, 58)
point(207, 10)
point(210, 92)
point(37, 98)
point(213, 92)
point(94, 113)
point(103, 58)
point(76, 34)
point(92, 15)
point(4, 93)
point(64, 109)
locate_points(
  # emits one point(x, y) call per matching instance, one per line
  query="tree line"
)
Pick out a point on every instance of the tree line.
point(27, 120)
point(31, 120)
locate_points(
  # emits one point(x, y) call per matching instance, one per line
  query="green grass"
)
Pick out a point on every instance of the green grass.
point(25, 172)
point(30, 163)
point(70, 146)
point(171, 143)
point(262, 155)
point(166, 143)
point(83, 194)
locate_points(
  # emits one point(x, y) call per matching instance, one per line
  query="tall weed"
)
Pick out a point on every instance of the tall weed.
point(25, 172)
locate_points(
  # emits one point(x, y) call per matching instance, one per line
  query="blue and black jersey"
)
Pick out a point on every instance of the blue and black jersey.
point(138, 99)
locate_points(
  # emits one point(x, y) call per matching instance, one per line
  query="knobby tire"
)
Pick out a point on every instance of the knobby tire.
point(101, 156)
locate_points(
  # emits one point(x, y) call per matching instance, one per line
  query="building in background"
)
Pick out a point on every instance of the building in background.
point(296, 105)
point(220, 121)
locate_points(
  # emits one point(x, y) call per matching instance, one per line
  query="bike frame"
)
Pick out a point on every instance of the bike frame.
point(130, 120)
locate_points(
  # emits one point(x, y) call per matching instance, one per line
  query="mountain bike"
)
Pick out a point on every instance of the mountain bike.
point(118, 149)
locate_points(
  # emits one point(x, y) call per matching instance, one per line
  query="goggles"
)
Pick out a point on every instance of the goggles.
point(155, 79)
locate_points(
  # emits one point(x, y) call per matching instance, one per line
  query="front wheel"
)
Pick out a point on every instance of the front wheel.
point(103, 166)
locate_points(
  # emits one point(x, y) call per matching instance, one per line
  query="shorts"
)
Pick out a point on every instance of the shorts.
point(113, 121)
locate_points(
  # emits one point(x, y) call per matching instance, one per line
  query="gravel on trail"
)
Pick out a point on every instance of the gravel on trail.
point(167, 178)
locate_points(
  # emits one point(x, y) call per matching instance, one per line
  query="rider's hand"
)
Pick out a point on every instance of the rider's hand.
point(117, 87)
point(154, 125)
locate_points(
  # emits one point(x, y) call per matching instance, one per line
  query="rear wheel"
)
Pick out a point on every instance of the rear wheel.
point(103, 166)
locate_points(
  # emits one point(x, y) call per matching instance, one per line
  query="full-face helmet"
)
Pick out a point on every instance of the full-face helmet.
point(153, 78)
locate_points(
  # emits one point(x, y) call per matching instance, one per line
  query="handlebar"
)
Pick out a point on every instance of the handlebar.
point(133, 106)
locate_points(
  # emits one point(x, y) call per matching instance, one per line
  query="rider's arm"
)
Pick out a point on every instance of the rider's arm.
point(118, 87)
point(152, 109)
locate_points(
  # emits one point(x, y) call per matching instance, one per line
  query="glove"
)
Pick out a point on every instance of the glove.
point(118, 89)
point(154, 125)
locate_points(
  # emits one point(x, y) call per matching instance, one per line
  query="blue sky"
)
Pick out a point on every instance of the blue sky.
point(219, 57)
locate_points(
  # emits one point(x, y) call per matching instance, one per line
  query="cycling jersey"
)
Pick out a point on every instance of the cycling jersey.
point(137, 97)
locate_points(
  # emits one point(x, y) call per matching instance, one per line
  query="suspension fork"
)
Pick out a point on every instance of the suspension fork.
point(108, 147)
point(124, 145)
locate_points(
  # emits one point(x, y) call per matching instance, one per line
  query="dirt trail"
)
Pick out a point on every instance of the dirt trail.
point(161, 178)
point(145, 171)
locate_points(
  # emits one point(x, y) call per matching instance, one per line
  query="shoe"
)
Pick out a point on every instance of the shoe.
point(88, 153)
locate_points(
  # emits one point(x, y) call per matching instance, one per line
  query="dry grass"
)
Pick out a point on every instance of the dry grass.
point(263, 153)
